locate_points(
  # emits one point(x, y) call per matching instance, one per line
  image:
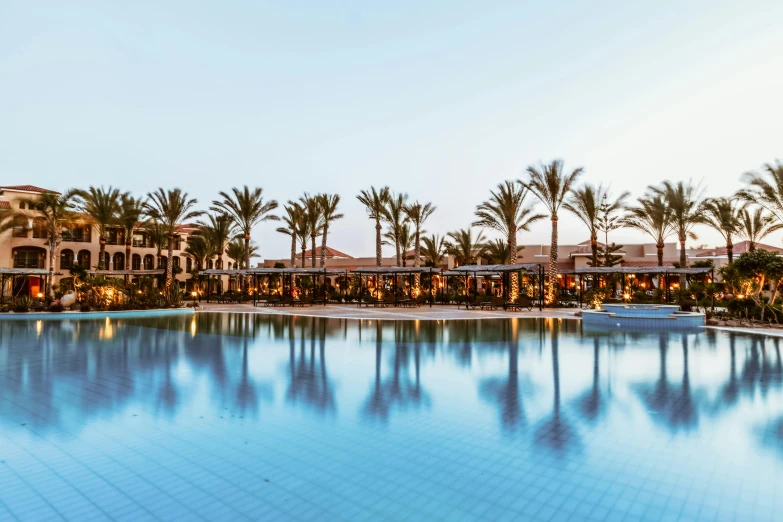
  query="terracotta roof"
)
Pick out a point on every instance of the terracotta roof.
point(739, 248)
point(28, 188)
point(5, 204)
point(330, 252)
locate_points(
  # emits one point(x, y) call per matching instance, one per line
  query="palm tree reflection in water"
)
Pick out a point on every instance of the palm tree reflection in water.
point(308, 383)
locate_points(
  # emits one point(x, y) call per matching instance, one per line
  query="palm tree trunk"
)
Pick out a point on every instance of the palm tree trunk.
point(512, 258)
point(553, 261)
point(303, 255)
point(659, 248)
point(127, 255)
point(378, 242)
point(312, 249)
point(730, 250)
point(50, 283)
point(683, 261)
point(169, 257)
point(397, 249)
point(416, 254)
point(247, 257)
point(323, 245)
point(102, 253)
point(293, 250)
point(751, 246)
point(594, 248)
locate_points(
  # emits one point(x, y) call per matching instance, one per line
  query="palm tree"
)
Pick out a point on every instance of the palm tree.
point(103, 206)
point(374, 202)
point(434, 250)
point(200, 249)
point(218, 231)
point(550, 184)
point(405, 239)
point(236, 252)
point(753, 227)
point(506, 212)
point(590, 203)
point(292, 216)
point(720, 214)
point(683, 200)
point(768, 194)
point(131, 210)
point(303, 233)
point(171, 209)
point(464, 247)
point(328, 203)
point(394, 216)
point(247, 209)
point(313, 214)
point(653, 217)
point(157, 235)
point(55, 210)
point(497, 252)
point(418, 213)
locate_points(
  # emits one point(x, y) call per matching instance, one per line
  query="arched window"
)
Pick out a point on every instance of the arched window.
point(209, 264)
point(162, 262)
point(66, 259)
point(135, 262)
point(175, 261)
point(83, 259)
point(118, 261)
point(188, 265)
point(29, 257)
point(219, 264)
point(149, 262)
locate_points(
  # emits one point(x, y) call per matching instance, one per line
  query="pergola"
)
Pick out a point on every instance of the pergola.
point(393, 271)
point(661, 271)
point(13, 273)
point(504, 270)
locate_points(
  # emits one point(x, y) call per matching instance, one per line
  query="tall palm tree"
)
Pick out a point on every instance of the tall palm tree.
point(374, 202)
point(550, 184)
point(684, 201)
point(755, 226)
point(405, 239)
point(589, 203)
point(720, 214)
point(497, 252)
point(171, 209)
point(200, 249)
point(395, 218)
point(129, 217)
point(247, 209)
point(291, 218)
point(506, 212)
point(329, 213)
point(303, 233)
point(55, 210)
point(653, 217)
point(236, 252)
point(218, 231)
point(314, 216)
point(157, 235)
point(767, 193)
point(434, 250)
point(418, 213)
point(466, 248)
point(103, 206)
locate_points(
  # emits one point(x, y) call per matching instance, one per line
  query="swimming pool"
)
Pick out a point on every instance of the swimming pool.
point(241, 416)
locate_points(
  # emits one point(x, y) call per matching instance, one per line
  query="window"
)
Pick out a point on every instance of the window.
point(40, 229)
point(115, 236)
point(136, 262)
point(140, 240)
point(209, 264)
point(29, 258)
point(162, 261)
point(83, 258)
point(118, 261)
point(21, 205)
point(219, 264)
point(149, 262)
point(77, 233)
point(188, 265)
point(66, 259)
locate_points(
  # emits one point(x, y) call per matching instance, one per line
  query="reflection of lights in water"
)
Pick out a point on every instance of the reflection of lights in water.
point(107, 332)
point(193, 326)
point(38, 326)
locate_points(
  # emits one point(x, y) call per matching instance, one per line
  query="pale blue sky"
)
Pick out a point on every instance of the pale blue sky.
point(442, 100)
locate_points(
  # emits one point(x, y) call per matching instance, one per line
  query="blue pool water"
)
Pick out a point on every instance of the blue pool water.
point(238, 416)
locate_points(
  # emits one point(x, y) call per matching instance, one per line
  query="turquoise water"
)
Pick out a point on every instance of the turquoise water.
point(236, 417)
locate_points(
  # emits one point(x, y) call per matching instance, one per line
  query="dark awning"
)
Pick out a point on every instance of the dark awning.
point(477, 269)
point(641, 270)
point(384, 270)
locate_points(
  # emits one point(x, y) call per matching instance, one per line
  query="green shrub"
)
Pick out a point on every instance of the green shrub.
point(56, 307)
point(23, 304)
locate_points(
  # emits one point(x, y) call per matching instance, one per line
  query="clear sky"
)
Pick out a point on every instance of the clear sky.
point(440, 99)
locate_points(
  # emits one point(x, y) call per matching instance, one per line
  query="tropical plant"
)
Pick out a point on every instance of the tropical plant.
point(418, 213)
point(434, 250)
point(217, 230)
point(129, 217)
point(247, 209)
point(652, 216)
point(55, 210)
point(236, 252)
point(303, 233)
point(497, 252)
point(291, 218)
point(768, 194)
point(328, 204)
point(374, 202)
point(720, 214)
point(103, 206)
point(756, 225)
point(506, 212)
point(170, 209)
point(466, 248)
point(200, 249)
point(395, 218)
point(405, 239)
point(590, 204)
point(683, 199)
point(550, 184)
point(314, 216)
